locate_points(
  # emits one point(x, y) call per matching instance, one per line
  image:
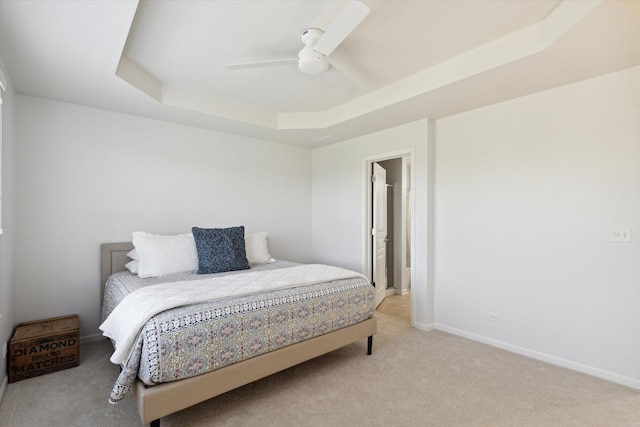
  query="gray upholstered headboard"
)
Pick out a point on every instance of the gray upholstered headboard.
point(113, 257)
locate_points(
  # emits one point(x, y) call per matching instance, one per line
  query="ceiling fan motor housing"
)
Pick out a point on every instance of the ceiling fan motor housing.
point(311, 35)
point(310, 61)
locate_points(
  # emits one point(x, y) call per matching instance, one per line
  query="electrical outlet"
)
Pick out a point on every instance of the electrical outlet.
point(494, 317)
point(620, 235)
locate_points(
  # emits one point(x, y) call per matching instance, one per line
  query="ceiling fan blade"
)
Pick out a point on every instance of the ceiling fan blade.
point(260, 64)
point(334, 78)
point(346, 21)
point(357, 75)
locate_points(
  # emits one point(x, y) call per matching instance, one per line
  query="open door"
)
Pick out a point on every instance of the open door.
point(379, 231)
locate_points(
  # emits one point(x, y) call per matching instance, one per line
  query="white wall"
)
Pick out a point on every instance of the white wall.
point(526, 192)
point(86, 176)
point(6, 239)
point(339, 215)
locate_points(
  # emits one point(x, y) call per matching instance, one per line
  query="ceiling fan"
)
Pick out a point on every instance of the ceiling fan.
point(318, 44)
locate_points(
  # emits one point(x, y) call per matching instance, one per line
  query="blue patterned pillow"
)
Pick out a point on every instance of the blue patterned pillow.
point(220, 249)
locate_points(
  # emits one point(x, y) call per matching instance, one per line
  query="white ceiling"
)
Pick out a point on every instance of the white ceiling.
point(407, 59)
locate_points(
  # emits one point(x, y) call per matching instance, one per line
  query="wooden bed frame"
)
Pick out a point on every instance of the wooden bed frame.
point(158, 401)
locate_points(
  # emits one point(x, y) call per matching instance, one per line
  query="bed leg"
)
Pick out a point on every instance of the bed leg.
point(369, 345)
point(155, 423)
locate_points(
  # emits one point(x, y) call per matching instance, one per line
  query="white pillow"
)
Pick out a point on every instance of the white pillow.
point(132, 266)
point(255, 245)
point(161, 255)
point(133, 254)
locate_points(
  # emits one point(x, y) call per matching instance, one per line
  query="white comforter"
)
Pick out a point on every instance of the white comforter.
point(125, 322)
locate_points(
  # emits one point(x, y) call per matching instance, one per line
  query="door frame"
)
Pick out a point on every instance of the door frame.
point(367, 206)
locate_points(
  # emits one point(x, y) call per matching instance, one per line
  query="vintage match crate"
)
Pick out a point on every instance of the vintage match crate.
point(44, 346)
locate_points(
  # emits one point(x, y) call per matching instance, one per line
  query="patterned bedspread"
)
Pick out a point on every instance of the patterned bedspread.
point(191, 340)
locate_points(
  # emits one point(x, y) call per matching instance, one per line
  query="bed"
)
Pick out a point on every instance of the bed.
point(161, 393)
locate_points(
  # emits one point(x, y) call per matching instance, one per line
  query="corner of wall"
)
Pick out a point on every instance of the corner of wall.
point(6, 266)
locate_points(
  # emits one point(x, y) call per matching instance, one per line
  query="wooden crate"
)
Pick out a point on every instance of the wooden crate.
point(44, 346)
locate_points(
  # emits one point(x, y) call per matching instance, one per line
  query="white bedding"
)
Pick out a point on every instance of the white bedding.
point(126, 320)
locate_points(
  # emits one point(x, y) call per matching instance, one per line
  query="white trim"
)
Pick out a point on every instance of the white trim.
point(3, 386)
point(564, 363)
point(3, 82)
point(92, 338)
point(424, 326)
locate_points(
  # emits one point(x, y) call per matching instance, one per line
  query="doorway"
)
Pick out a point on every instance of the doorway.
point(397, 241)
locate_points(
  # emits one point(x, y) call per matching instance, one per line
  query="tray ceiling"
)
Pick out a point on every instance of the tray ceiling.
point(405, 61)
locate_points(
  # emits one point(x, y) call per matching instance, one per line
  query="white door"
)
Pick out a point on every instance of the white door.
point(379, 231)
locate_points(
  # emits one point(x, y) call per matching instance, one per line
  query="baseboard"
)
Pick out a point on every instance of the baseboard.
point(424, 326)
point(92, 338)
point(3, 387)
point(558, 361)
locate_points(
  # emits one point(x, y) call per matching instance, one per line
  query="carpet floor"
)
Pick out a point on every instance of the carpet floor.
point(413, 378)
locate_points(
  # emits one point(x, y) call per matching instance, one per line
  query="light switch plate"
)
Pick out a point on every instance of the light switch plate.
point(620, 235)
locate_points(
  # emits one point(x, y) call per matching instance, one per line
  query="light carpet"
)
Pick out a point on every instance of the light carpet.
point(413, 378)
